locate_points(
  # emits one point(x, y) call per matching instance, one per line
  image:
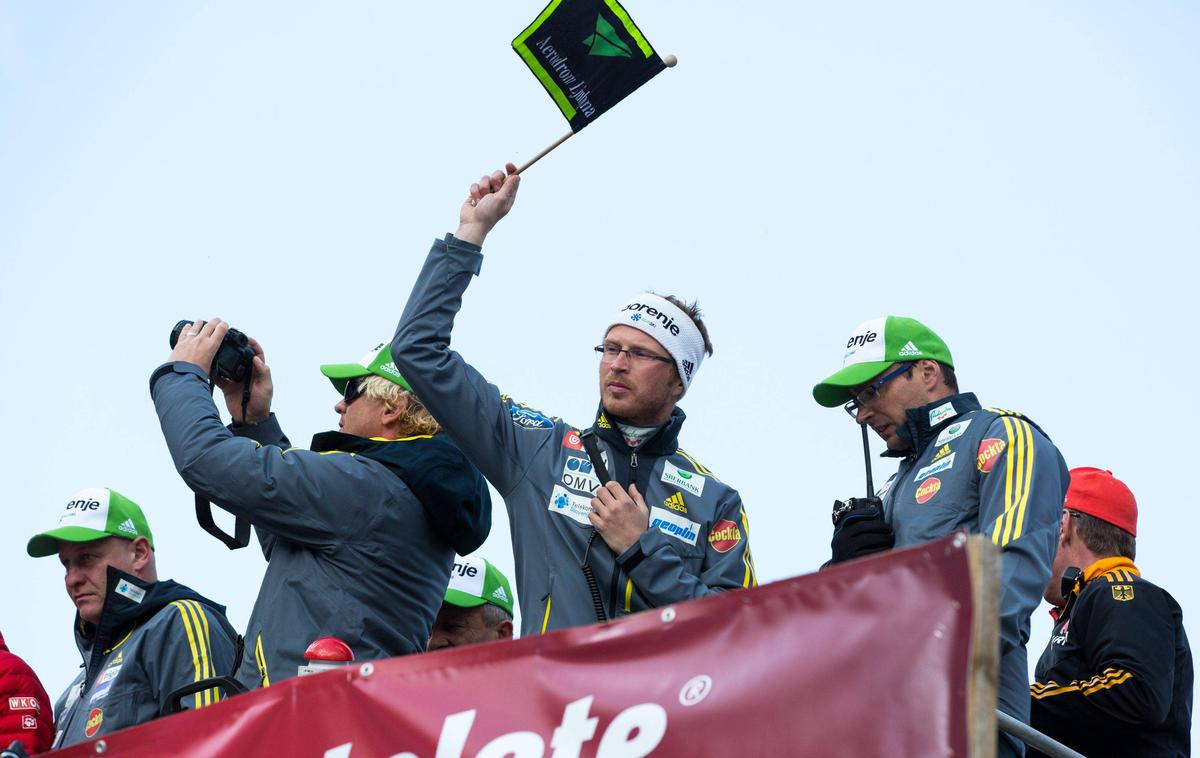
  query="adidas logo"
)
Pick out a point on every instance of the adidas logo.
point(500, 594)
point(128, 527)
point(910, 349)
point(675, 503)
point(941, 453)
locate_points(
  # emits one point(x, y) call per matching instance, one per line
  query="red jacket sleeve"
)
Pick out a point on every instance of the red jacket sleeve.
point(25, 711)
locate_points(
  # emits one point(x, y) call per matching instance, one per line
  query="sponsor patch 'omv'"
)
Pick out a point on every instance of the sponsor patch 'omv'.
point(579, 474)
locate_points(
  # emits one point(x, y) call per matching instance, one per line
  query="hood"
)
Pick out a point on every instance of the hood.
point(452, 492)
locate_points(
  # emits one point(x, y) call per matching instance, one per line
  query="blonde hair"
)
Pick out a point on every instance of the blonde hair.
point(417, 419)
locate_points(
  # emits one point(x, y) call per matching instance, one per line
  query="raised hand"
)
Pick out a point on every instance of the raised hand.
point(488, 200)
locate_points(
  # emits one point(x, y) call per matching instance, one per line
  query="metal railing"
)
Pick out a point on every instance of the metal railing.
point(1033, 737)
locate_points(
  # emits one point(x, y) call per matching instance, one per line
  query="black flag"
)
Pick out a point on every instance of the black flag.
point(588, 54)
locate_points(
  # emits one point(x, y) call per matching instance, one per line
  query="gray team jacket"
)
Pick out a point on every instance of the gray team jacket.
point(995, 473)
point(696, 542)
point(354, 550)
point(152, 639)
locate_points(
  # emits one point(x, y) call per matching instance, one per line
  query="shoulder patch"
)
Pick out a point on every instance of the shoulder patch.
point(527, 418)
point(1122, 592)
point(989, 451)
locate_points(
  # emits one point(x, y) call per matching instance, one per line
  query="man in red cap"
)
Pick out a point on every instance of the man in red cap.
point(1116, 678)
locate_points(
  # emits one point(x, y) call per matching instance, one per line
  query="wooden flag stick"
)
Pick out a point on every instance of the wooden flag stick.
point(544, 152)
point(669, 61)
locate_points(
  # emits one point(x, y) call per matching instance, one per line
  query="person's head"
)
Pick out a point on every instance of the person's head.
point(650, 353)
point(376, 400)
point(477, 607)
point(1099, 520)
point(891, 364)
point(98, 528)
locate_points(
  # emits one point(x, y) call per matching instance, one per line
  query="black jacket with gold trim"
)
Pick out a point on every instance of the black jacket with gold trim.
point(1116, 677)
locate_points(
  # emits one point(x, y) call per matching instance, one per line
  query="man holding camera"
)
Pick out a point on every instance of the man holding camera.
point(359, 532)
point(664, 530)
point(141, 638)
point(988, 471)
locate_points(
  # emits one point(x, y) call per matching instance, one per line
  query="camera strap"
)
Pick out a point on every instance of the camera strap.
point(241, 527)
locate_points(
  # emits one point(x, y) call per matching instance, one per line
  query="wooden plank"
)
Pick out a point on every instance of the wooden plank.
point(984, 561)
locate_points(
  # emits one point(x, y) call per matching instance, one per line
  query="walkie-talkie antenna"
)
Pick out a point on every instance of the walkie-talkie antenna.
point(867, 461)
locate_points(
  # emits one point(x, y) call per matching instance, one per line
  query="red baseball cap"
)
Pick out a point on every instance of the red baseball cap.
point(1098, 493)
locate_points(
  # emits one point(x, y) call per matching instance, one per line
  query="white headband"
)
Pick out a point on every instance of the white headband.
point(670, 326)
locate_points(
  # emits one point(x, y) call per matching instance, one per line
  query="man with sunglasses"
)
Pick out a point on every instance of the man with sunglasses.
point(988, 471)
point(664, 530)
point(359, 532)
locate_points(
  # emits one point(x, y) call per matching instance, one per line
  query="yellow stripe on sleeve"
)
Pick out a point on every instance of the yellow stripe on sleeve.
point(191, 638)
point(1018, 477)
point(260, 658)
point(751, 577)
point(1025, 431)
point(546, 618)
point(628, 594)
point(1109, 679)
point(213, 694)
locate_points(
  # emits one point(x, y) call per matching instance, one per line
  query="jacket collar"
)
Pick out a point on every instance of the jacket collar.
point(1097, 569)
point(1105, 565)
point(128, 601)
point(662, 442)
point(926, 422)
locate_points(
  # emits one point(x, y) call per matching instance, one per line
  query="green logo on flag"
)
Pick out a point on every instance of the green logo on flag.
point(606, 42)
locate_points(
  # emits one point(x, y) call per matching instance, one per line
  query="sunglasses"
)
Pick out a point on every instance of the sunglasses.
point(353, 390)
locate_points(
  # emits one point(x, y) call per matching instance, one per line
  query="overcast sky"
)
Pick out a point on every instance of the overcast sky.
point(1024, 177)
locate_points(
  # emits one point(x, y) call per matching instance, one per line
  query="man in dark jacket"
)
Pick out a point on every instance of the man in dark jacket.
point(25, 712)
point(141, 639)
point(664, 530)
point(989, 471)
point(1116, 677)
point(359, 532)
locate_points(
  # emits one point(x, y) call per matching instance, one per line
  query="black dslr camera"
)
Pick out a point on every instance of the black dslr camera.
point(234, 359)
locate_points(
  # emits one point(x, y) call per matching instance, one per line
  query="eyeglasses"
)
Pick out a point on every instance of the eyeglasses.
point(608, 353)
point(870, 393)
point(353, 390)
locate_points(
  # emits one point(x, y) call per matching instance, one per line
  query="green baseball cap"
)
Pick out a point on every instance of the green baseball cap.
point(378, 362)
point(876, 345)
point(93, 514)
point(475, 581)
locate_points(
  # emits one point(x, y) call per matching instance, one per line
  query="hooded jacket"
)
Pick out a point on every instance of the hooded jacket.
point(696, 542)
point(152, 639)
point(359, 534)
point(25, 713)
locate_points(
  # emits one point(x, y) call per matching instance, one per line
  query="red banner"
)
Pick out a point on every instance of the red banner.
point(870, 658)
